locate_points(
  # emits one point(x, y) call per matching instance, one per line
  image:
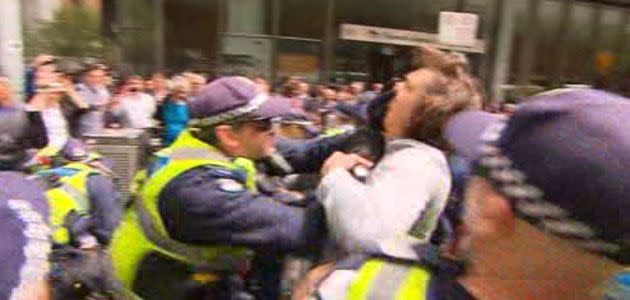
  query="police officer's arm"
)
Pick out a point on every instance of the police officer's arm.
point(309, 156)
point(200, 207)
point(106, 208)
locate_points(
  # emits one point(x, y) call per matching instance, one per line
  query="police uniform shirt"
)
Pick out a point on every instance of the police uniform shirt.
point(214, 207)
point(25, 235)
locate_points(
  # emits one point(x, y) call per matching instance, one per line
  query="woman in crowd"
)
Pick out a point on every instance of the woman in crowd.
point(61, 110)
point(174, 112)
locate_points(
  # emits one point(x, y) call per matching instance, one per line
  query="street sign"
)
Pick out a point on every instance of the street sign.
point(403, 37)
point(458, 28)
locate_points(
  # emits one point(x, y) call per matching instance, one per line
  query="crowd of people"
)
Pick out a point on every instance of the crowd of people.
point(75, 103)
point(400, 190)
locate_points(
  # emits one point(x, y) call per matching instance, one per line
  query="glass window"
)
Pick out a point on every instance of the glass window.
point(609, 30)
point(303, 18)
point(136, 34)
point(546, 46)
point(247, 16)
point(190, 33)
point(419, 15)
point(521, 13)
point(247, 56)
point(480, 7)
point(578, 40)
point(298, 58)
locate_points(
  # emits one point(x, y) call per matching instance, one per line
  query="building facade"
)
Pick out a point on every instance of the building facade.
point(540, 43)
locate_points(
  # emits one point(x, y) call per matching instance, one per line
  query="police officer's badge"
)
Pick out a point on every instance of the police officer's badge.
point(230, 185)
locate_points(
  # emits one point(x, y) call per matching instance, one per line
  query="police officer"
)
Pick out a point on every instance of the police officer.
point(25, 255)
point(200, 215)
point(547, 208)
point(345, 118)
point(83, 198)
point(23, 214)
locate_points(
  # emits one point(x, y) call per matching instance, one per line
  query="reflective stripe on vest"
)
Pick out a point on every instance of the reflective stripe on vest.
point(185, 153)
point(335, 131)
point(71, 195)
point(380, 280)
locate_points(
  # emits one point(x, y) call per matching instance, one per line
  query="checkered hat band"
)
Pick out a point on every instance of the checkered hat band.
point(252, 106)
point(528, 200)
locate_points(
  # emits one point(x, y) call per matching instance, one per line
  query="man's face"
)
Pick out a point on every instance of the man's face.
point(159, 80)
point(149, 85)
point(358, 87)
point(257, 138)
point(487, 217)
point(408, 95)
point(303, 88)
point(95, 77)
point(377, 87)
point(344, 95)
point(262, 85)
point(329, 95)
point(135, 85)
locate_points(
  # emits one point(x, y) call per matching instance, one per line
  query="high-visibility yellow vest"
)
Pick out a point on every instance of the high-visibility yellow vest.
point(379, 279)
point(334, 131)
point(143, 228)
point(70, 194)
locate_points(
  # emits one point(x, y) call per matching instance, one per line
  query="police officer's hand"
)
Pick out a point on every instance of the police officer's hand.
point(344, 161)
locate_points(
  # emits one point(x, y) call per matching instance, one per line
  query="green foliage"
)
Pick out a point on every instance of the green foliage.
point(74, 32)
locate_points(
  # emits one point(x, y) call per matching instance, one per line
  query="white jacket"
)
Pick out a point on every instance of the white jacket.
point(411, 181)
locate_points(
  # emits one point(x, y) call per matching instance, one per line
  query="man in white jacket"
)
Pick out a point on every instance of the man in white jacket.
point(407, 190)
point(403, 197)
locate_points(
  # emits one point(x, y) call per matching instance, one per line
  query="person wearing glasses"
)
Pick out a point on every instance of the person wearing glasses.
point(199, 215)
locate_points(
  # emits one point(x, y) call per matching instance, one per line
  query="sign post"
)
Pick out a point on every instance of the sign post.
point(11, 47)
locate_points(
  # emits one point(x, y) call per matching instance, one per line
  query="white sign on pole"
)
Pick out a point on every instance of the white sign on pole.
point(457, 28)
point(403, 37)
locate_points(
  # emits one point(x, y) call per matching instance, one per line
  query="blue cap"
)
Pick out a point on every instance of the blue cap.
point(377, 109)
point(75, 150)
point(562, 159)
point(355, 112)
point(228, 98)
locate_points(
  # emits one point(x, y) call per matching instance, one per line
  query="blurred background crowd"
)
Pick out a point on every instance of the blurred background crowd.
point(83, 99)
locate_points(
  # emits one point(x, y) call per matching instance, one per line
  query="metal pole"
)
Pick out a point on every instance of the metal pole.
point(328, 48)
point(596, 24)
point(11, 47)
point(275, 31)
point(221, 24)
point(526, 60)
point(501, 49)
point(158, 33)
point(620, 43)
point(562, 39)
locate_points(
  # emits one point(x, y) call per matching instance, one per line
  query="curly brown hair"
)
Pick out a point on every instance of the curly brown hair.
point(452, 90)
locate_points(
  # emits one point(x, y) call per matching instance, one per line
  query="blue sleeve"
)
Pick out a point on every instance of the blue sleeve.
point(197, 209)
point(106, 207)
point(309, 156)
